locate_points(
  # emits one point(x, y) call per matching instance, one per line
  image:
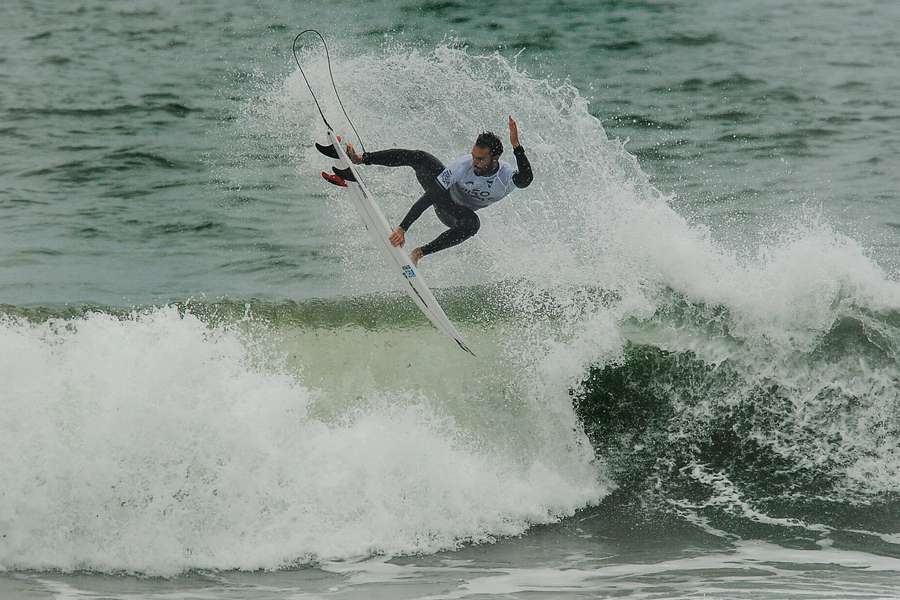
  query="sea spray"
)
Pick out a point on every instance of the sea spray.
point(731, 348)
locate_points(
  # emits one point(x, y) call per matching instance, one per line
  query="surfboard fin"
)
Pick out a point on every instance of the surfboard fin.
point(345, 174)
point(328, 150)
point(334, 179)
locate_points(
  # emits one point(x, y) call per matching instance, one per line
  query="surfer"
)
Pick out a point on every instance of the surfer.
point(470, 183)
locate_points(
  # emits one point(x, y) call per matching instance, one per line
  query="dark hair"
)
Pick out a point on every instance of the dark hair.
point(487, 139)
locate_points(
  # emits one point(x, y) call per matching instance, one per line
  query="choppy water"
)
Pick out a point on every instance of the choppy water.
point(687, 327)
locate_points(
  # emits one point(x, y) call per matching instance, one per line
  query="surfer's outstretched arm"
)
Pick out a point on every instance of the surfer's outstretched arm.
point(523, 176)
point(398, 235)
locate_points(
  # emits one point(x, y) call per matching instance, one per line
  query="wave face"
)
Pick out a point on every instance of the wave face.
point(687, 398)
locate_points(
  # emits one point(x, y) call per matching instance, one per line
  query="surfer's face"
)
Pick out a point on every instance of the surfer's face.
point(482, 161)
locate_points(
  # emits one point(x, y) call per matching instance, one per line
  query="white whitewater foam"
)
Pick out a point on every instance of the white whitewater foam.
point(155, 443)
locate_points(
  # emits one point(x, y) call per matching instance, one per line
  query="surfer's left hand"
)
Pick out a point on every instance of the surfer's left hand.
point(513, 132)
point(398, 237)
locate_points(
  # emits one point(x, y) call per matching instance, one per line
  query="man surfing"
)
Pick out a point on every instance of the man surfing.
point(469, 183)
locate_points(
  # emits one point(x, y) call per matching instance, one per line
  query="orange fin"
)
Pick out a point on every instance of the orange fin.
point(335, 179)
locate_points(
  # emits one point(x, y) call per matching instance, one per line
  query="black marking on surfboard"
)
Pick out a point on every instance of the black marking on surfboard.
point(418, 294)
point(328, 150)
point(464, 347)
point(345, 174)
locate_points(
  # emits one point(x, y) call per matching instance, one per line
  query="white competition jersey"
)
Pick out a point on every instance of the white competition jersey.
point(476, 191)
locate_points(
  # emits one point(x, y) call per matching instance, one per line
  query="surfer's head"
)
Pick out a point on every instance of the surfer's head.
point(485, 152)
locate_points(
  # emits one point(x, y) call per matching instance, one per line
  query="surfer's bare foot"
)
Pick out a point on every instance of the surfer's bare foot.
point(355, 158)
point(415, 255)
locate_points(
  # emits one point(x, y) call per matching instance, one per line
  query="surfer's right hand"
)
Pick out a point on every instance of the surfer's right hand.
point(398, 237)
point(355, 158)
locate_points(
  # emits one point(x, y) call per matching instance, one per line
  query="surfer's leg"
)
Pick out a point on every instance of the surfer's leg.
point(462, 221)
point(426, 166)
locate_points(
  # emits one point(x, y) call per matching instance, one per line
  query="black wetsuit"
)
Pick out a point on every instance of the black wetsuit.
point(462, 221)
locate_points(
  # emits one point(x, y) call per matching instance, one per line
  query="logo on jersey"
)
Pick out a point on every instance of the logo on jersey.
point(446, 177)
point(474, 192)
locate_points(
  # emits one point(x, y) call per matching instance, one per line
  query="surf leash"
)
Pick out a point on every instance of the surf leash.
point(333, 86)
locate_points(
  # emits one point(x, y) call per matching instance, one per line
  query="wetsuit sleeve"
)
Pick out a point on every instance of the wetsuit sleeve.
point(523, 176)
point(416, 211)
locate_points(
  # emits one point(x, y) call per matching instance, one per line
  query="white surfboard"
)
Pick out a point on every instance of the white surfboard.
point(379, 230)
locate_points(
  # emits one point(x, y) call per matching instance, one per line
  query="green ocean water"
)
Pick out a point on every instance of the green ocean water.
point(687, 328)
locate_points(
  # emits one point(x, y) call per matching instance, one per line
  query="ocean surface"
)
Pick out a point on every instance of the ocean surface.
point(687, 327)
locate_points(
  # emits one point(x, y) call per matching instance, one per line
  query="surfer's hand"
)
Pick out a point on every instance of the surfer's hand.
point(513, 132)
point(398, 237)
point(355, 158)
